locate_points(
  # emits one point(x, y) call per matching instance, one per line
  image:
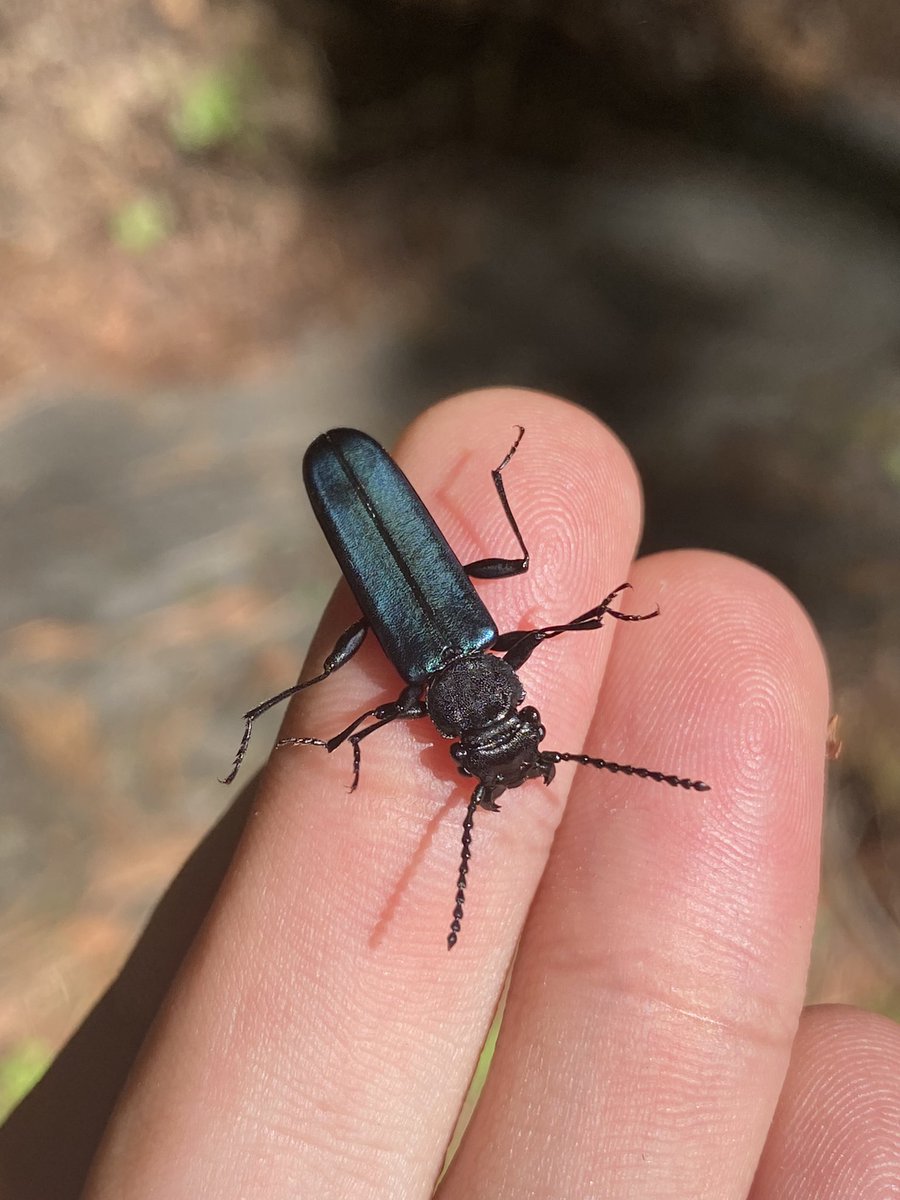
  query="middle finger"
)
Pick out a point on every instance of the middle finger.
point(661, 973)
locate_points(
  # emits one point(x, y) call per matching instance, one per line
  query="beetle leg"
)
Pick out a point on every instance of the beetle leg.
point(501, 568)
point(344, 649)
point(519, 645)
point(332, 743)
point(408, 707)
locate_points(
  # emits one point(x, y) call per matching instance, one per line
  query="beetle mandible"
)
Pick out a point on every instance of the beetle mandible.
point(417, 598)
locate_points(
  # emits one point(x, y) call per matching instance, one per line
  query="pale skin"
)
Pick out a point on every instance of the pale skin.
point(317, 1038)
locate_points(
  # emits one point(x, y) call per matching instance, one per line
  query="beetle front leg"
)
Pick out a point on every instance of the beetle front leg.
point(408, 705)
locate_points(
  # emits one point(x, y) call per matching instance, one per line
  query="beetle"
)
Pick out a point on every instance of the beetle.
point(418, 600)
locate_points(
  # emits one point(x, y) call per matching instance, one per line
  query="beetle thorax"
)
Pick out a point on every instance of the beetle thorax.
point(476, 699)
point(473, 695)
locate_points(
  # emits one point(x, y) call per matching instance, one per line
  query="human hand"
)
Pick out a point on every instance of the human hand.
point(318, 1039)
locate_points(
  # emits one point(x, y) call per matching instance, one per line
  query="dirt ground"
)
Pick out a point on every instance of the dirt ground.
point(224, 225)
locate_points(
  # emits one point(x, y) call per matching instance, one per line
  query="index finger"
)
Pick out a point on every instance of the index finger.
point(319, 1032)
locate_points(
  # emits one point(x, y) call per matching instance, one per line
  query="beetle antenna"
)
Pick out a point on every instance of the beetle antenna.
point(553, 756)
point(463, 869)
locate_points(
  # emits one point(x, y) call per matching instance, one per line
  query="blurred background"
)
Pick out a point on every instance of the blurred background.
point(227, 226)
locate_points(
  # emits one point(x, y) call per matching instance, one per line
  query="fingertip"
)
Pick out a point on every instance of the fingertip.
point(749, 648)
point(834, 1133)
point(567, 452)
point(764, 599)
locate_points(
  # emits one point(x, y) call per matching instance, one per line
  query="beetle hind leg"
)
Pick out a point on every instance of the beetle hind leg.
point(344, 649)
point(503, 568)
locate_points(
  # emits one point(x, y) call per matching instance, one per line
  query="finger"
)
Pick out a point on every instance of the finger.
point(300, 1047)
point(661, 975)
point(836, 1131)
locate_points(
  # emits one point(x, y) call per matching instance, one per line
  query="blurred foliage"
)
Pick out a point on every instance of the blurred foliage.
point(141, 224)
point(891, 461)
point(213, 109)
point(477, 1085)
point(20, 1070)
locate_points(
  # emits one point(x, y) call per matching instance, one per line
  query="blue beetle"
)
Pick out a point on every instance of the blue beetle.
point(417, 598)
